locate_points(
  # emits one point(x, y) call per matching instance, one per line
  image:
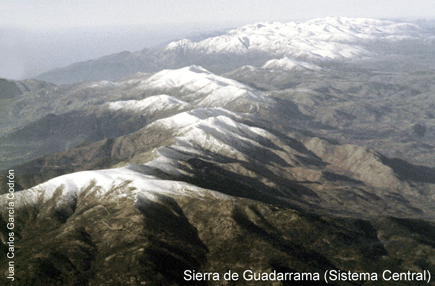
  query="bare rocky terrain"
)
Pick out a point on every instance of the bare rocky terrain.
point(218, 159)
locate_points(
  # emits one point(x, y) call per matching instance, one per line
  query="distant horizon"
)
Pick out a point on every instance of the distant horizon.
point(45, 40)
point(27, 52)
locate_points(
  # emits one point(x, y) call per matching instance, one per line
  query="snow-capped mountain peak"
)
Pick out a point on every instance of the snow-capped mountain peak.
point(289, 64)
point(192, 76)
point(194, 82)
point(326, 38)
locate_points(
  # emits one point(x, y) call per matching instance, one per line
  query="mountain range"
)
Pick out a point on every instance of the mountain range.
point(303, 147)
point(325, 41)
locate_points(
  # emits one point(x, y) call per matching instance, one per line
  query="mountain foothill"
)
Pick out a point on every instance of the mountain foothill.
point(301, 147)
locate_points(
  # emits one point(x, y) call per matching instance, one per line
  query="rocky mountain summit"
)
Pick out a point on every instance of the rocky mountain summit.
point(284, 153)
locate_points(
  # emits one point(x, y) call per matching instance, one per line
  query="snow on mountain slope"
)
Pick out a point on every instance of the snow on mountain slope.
point(316, 40)
point(196, 132)
point(103, 83)
point(192, 78)
point(203, 130)
point(343, 29)
point(327, 38)
point(211, 148)
point(200, 126)
point(186, 119)
point(68, 187)
point(199, 132)
point(289, 64)
point(210, 132)
point(151, 104)
point(194, 82)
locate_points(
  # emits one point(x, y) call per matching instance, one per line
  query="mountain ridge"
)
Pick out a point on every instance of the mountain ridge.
point(228, 158)
point(308, 40)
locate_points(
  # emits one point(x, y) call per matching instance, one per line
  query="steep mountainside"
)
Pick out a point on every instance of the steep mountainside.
point(301, 149)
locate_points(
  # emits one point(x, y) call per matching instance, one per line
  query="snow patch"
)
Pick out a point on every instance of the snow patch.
point(152, 103)
point(103, 83)
point(183, 120)
point(289, 64)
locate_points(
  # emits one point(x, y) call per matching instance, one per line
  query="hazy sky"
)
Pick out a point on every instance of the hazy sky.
point(37, 35)
point(90, 13)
